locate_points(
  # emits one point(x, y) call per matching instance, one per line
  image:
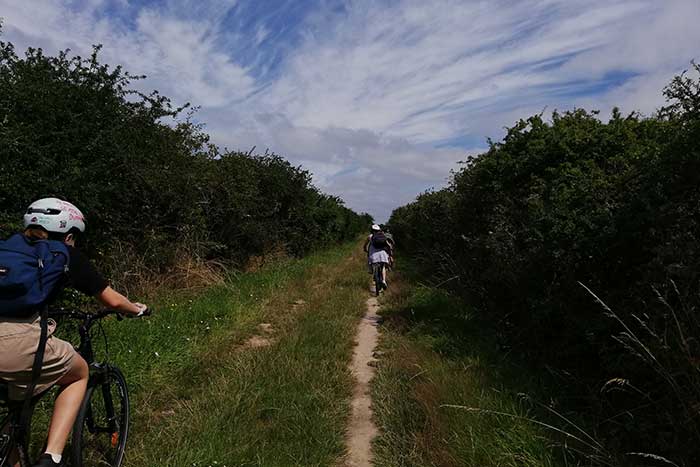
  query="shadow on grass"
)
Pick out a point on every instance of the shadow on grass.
point(440, 319)
point(450, 395)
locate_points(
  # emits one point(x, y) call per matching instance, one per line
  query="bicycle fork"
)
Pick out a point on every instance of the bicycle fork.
point(102, 379)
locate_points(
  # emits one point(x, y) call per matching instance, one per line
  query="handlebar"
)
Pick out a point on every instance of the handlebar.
point(88, 318)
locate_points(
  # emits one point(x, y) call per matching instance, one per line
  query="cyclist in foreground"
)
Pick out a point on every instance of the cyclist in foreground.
point(61, 222)
point(377, 248)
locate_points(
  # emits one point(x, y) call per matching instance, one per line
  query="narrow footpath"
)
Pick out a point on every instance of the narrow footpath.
point(362, 430)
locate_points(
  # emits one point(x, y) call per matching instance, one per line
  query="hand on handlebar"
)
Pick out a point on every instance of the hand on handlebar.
point(143, 311)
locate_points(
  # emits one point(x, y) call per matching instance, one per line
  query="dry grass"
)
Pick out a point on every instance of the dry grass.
point(191, 272)
point(185, 271)
point(275, 254)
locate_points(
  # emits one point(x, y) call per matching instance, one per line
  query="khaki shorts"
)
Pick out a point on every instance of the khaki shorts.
point(19, 339)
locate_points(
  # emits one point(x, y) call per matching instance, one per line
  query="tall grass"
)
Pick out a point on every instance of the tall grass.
point(435, 364)
point(661, 345)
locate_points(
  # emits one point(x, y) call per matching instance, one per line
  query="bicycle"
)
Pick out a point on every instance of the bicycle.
point(377, 275)
point(102, 425)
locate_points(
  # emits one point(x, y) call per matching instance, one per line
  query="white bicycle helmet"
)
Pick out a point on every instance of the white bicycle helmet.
point(54, 215)
point(376, 228)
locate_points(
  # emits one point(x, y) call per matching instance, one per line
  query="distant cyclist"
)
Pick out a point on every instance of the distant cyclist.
point(61, 221)
point(377, 248)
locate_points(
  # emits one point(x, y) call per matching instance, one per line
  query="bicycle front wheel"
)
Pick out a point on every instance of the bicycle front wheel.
point(102, 426)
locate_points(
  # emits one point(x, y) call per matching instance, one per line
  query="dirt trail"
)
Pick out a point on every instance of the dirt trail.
point(362, 430)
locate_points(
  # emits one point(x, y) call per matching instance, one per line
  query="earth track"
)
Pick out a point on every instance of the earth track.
point(362, 430)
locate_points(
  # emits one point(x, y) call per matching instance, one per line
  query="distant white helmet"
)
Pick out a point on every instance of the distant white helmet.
point(376, 227)
point(54, 215)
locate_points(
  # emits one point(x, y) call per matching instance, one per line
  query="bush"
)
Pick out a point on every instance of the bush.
point(613, 205)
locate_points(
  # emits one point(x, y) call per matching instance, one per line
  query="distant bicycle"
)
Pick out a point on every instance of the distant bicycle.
point(102, 426)
point(377, 275)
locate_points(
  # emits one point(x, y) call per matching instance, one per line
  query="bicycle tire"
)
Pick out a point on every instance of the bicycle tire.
point(377, 273)
point(96, 441)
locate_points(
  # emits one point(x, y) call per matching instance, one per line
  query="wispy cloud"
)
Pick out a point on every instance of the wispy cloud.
point(379, 98)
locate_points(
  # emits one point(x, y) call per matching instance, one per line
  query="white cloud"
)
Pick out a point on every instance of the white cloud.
point(185, 53)
point(371, 89)
point(180, 56)
point(409, 68)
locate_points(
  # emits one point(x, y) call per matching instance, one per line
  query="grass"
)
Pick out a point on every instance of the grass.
point(441, 386)
point(201, 396)
point(204, 396)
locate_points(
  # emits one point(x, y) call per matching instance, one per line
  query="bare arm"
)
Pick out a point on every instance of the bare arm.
point(113, 299)
point(366, 245)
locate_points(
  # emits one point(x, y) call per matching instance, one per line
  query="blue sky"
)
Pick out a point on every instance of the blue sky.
point(378, 98)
